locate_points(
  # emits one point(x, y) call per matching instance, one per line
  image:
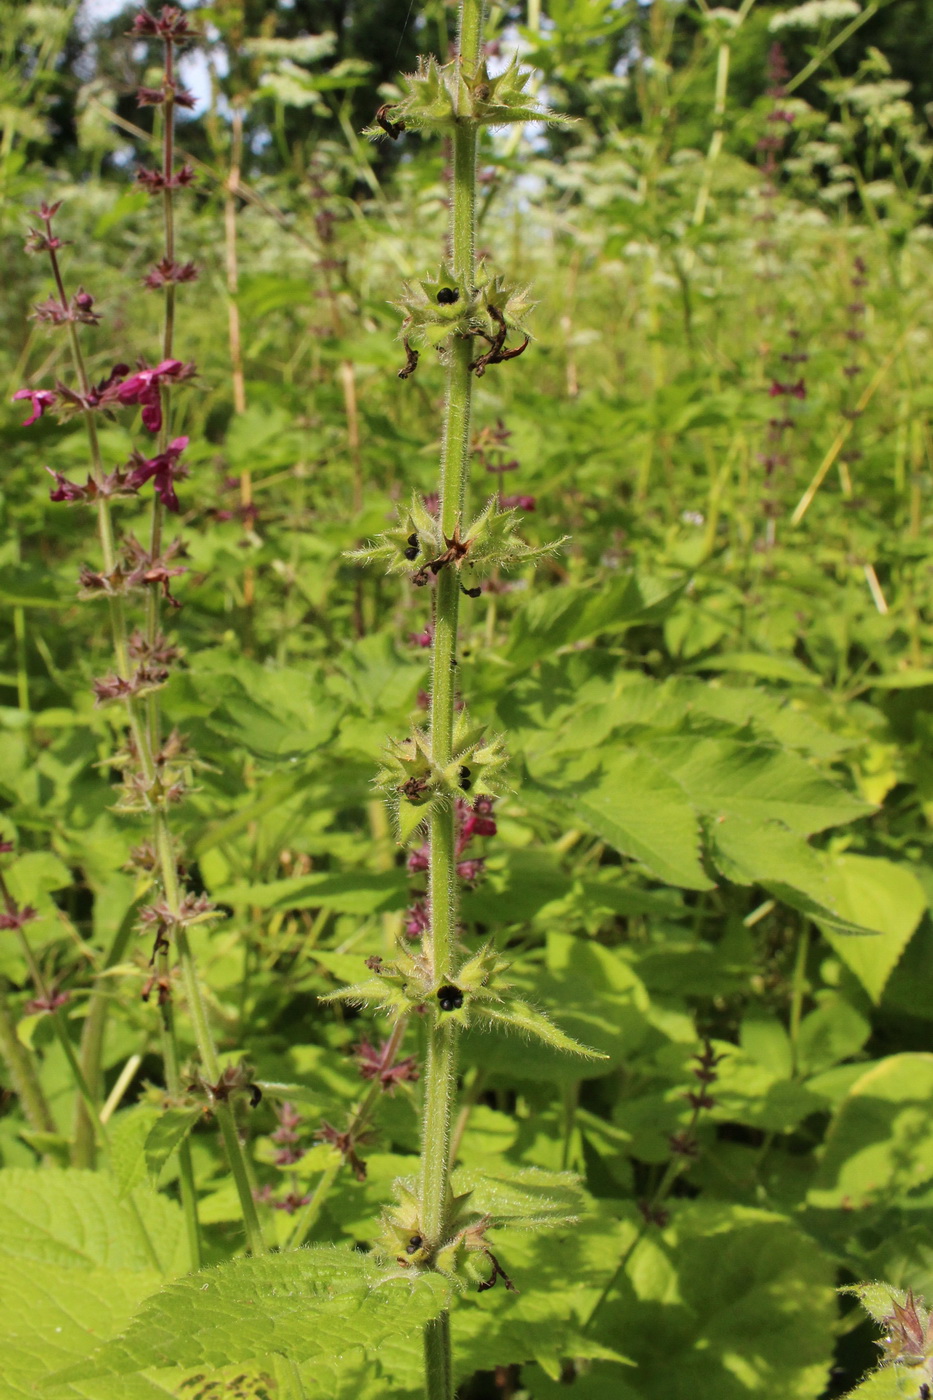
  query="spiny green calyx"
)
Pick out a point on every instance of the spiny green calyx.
point(477, 994)
point(437, 97)
point(418, 544)
point(413, 782)
point(463, 1255)
point(436, 307)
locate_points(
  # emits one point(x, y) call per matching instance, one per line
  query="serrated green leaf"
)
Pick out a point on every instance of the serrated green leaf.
point(75, 1219)
point(639, 810)
point(741, 1297)
point(73, 1267)
point(354, 892)
point(165, 1136)
point(524, 1197)
point(893, 1383)
point(729, 777)
point(557, 617)
point(128, 1135)
point(320, 1301)
point(885, 898)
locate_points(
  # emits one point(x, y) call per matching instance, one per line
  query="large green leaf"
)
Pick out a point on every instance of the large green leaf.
point(356, 892)
point(726, 1303)
point(879, 1147)
point(885, 898)
point(636, 808)
point(724, 777)
point(316, 1302)
point(74, 1264)
point(559, 616)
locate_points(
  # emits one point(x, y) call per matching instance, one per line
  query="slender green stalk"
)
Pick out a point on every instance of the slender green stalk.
point(22, 1070)
point(162, 838)
point(308, 1218)
point(93, 1036)
point(440, 1079)
point(207, 1052)
point(189, 1198)
point(798, 992)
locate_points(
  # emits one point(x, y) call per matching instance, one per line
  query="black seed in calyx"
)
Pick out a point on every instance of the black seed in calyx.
point(450, 998)
point(448, 295)
point(464, 777)
point(414, 1244)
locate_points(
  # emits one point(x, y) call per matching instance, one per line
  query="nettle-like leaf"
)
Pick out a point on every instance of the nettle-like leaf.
point(524, 1198)
point(75, 1261)
point(316, 1302)
point(893, 1383)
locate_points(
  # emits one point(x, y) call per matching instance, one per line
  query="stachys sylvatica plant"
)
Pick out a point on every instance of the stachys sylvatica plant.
point(476, 320)
point(307, 1305)
point(134, 577)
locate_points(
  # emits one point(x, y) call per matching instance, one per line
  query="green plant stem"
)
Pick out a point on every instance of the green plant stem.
point(197, 1010)
point(93, 1036)
point(439, 1091)
point(438, 1367)
point(145, 739)
point(22, 1070)
point(359, 1118)
point(440, 1078)
point(798, 992)
point(189, 1198)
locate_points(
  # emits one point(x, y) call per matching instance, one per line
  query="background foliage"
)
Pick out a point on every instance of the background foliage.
point(719, 701)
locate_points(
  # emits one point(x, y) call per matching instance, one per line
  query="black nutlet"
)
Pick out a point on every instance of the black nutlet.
point(465, 778)
point(414, 1244)
point(448, 295)
point(450, 998)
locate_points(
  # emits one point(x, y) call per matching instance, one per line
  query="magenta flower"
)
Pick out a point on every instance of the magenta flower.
point(164, 470)
point(797, 390)
point(168, 271)
point(155, 180)
point(418, 860)
point(65, 490)
point(144, 388)
point(40, 399)
point(49, 1003)
point(417, 919)
point(519, 502)
point(376, 1063)
point(18, 918)
point(170, 24)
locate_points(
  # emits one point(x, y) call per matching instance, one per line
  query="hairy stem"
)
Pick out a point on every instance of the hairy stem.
point(440, 1079)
